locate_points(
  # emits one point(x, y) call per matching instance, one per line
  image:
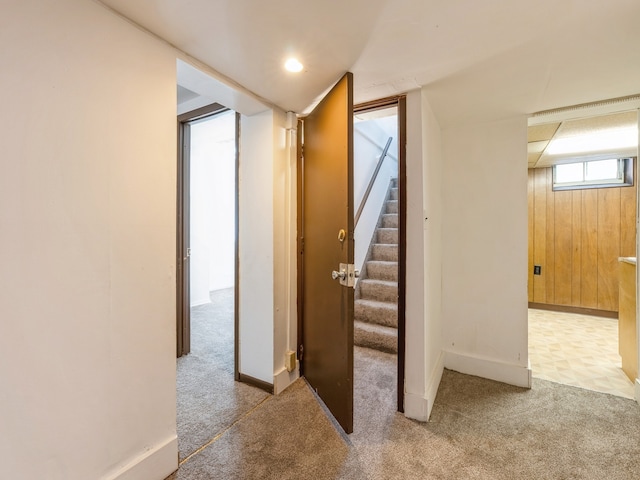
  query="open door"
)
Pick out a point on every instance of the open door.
point(183, 252)
point(183, 227)
point(327, 248)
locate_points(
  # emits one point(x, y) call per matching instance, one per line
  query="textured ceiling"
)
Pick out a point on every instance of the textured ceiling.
point(537, 133)
point(477, 60)
point(586, 126)
point(539, 136)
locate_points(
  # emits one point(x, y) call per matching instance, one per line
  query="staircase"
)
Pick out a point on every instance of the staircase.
point(376, 304)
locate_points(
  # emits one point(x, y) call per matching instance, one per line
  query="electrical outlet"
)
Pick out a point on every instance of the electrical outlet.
point(290, 360)
point(537, 270)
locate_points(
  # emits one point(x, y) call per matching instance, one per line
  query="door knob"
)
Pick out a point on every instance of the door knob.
point(341, 275)
point(347, 275)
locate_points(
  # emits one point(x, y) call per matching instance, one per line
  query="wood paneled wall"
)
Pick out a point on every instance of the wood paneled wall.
point(576, 236)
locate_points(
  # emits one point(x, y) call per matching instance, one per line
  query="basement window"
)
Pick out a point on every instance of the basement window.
point(613, 172)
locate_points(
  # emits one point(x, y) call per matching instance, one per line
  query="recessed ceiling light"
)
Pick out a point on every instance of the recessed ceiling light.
point(293, 65)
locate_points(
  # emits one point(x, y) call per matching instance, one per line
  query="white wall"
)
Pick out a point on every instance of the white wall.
point(212, 209)
point(368, 143)
point(466, 229)
point(432, 225)
point(267, 242)
point(256, 246)
point(87, 245)
point(369, 140)
point(484, 268)
point(285, 321)
point(415, 400)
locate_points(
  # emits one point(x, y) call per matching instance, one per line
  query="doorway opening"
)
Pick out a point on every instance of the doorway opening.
point(208, 396)
point(207, 213)
point(379, 233)
point(327, 270)
point(579, 235)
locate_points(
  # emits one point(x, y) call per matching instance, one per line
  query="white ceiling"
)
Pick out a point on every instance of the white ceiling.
point(479, 60)
point(539, 137)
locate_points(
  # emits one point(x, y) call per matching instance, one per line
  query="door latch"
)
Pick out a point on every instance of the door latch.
point(347, 274)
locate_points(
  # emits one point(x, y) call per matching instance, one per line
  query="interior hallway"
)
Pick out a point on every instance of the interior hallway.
point(478, 429)
point(577, 350)
point(208, 398)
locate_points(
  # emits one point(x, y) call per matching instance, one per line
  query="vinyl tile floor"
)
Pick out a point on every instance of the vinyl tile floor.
point(577, 350)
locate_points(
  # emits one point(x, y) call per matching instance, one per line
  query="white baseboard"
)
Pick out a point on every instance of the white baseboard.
point(283, 379)
point(637, 390)
point(434, 382)
point(418, 407)
point(157, 463)
point(494, 370)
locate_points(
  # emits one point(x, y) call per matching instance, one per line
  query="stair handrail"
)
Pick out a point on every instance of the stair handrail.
point(374, 176)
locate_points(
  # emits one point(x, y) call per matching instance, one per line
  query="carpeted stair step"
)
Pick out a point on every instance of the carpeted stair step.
point(377, 337)
point(389, 220)
point(373, 311)
point(381, 251)
point(376, 309)
point(381, 290)
point(387, 235)
point(382, 270)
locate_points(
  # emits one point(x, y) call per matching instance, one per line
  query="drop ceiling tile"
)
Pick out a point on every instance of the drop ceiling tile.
point(585, 126)
point(532, 159)
point(536, 133)
point(537, 147)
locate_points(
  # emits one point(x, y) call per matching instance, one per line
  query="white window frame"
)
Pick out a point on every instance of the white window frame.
point(624, 177)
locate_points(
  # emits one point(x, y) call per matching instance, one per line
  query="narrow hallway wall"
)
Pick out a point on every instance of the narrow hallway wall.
point(87, 244)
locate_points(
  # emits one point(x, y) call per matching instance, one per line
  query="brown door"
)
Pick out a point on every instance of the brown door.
point(327, 242)
point(183, 307)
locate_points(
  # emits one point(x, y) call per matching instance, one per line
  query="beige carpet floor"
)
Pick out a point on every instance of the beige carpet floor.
point(208, 398)
point(479, 429)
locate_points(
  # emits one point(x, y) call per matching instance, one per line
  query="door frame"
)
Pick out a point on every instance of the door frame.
point(183, 317)
point(400, 101)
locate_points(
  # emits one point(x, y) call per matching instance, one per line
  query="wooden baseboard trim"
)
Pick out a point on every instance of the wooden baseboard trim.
point(262, 385)
point(565, 308)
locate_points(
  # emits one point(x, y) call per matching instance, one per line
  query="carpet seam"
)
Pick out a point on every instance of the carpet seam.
point(217, 437)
